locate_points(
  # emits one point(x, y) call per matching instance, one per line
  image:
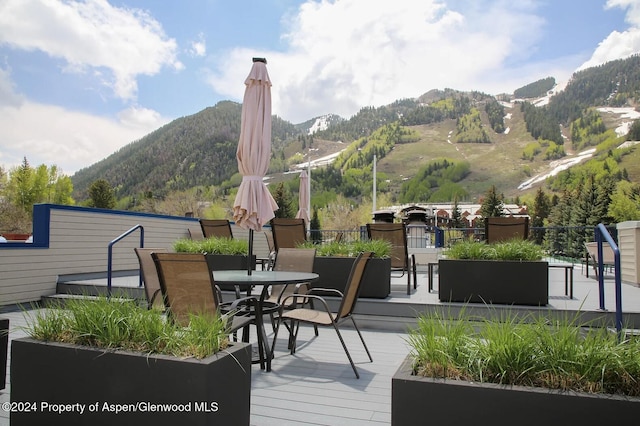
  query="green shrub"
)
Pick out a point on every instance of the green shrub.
point(379, 248)
point(521, 350)
point(521, 250)
point(116, 324)
point(212, 245)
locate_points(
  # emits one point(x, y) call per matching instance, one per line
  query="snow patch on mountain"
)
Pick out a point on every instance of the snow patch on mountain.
point(321, 123)
point(556, 167)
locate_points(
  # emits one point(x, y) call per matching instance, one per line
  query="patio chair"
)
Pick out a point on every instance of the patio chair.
point(291, 259)
point(267, 263)
point(608, 258)
point(195, 233)
point(287, 232)
point(504, 228)
point(188, 288)
point(150, 276)
point(396, 234)
point(216, 228)
point(323, 317)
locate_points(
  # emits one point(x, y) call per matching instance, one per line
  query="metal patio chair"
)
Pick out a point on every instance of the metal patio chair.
point(396, 234)
point(216, 228)
point(322, 316)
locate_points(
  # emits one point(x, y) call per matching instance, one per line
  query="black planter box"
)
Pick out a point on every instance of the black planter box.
point(334, 272)
point(153, 389)
point(416, 400)
point(4, 347)
point(229, 262)
point(498, 282)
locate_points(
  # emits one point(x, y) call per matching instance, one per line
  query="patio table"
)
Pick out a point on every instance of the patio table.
point(246, 282)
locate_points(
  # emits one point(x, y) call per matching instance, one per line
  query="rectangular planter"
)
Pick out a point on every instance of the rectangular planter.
point(153, 389)
point(416, 399)
point(493, 281)
point(334, 273)
point(4, 347)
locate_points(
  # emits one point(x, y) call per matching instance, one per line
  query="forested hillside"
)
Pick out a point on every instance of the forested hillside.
point(191, 151)
point(441, 144)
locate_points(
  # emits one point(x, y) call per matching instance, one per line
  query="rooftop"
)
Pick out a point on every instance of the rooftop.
point(317, 386)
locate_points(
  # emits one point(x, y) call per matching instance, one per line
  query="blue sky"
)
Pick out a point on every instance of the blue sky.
point(80, 79)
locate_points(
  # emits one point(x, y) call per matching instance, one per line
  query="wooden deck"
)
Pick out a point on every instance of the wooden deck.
point(316, 386)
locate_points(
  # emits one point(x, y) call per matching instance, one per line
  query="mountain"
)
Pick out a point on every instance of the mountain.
point(199, 149)
point(502, 141)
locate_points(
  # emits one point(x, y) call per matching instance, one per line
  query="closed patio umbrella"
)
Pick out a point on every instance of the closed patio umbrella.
point(254, 205)
point(303, 198)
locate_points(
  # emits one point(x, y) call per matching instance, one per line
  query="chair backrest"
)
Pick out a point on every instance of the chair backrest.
point(287, 232)
point(150, 275)
point(292, 259)
point(295, 259)
point(216, 228)
point(187, 285)
point(608, 257)
point(195, 233)
point(504, 228)
point(396, 234)
point(269, 237)
point(352, 289)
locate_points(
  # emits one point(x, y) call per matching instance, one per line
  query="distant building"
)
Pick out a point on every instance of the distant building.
point(440, 215)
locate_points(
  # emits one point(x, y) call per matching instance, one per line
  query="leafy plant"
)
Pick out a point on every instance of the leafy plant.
point(520, 250)
point(212, 245)
point(379, 248)
point(522, 350)
point(116, 324)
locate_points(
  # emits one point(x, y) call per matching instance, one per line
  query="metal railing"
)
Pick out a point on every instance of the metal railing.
point(110, 254)
point(602, 235)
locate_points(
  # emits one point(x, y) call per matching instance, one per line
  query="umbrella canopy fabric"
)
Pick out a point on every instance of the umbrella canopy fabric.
point(254, 205)
point(303, 198)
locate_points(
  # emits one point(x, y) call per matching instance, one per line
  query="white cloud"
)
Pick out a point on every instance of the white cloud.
point(199, 47)
point(49, 135)
point(91, 35)
point(8, 94)
point(633, 10)
point(348, 54)
point(619, 44)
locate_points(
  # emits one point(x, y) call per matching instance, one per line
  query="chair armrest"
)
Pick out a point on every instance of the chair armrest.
point(306, 298)
point(237, 304)
point(337, 292)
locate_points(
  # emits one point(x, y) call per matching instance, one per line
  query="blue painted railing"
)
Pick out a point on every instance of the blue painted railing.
point(602, 235)
point(110, 254)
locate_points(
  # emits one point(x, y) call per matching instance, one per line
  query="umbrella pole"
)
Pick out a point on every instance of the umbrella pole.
point(250, 260)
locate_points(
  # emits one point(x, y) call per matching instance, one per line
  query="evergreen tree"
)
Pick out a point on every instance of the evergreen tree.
point(456, 215)
point(634, 131)
point(556, 237)
point(314, 226)
point(284, 200)
point(541, 210)
point(492, 204)
point(101, 195)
